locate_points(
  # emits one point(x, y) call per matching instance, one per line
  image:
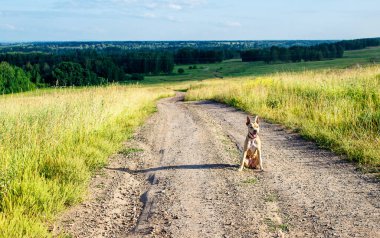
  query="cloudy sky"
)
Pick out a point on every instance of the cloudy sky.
point(56, 20)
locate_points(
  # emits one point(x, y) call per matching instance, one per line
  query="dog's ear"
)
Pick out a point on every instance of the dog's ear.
point(257, 119)
point(248, 121)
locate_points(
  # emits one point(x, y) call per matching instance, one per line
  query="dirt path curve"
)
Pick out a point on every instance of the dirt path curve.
point(184, 183)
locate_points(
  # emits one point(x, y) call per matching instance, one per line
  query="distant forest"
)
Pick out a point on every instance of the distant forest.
point(24, 67)
point(59, 47)
point(310, 53)
point(89, 67)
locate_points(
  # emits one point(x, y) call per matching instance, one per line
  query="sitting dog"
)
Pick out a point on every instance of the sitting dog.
point(252, 146)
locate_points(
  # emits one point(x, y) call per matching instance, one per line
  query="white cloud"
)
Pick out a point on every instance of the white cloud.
point(194, 3)
point(8, 27)
point(187, 3)
point(151, 5)
point(154, 4)
point(89, 5)
point(123, 1)
point(172, 19)
point(149, 15)
point(232, 24)
point(175, 6)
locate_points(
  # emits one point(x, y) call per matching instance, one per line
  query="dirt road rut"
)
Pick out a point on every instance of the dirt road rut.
point(178, 178)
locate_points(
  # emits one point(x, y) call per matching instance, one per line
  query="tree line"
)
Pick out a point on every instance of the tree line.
point(202, 56)
point(310, 53)
point(359, 43)
point(89, 67)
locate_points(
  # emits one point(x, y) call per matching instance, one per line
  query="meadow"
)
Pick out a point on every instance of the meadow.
point(236, 68)
point(51, 141)
point(337, 108)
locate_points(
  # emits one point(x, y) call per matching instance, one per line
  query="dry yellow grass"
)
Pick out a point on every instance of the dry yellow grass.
point(340, 109)
point(51, 140)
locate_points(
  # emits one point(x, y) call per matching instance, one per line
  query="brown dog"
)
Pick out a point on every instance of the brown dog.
point(252, 146)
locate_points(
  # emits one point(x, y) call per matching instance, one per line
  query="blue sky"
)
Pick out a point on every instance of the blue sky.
point(53, 20)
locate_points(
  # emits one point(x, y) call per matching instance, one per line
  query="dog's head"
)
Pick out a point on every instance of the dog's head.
point(253, 127)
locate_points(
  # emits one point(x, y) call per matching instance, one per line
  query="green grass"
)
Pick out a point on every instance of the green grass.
point(51, 141)
point(339, 109)
point(250, 181)
point(271, 198)
point(128, 151)
point(284, 227)
point(273, 226)
point(236, 68)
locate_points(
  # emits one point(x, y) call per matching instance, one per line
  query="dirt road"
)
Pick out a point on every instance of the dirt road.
point(178, 178)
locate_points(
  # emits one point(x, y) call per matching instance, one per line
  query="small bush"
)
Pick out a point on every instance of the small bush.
point(181, 71)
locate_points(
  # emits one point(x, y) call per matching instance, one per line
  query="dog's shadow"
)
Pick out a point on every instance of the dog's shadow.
point(178, 167)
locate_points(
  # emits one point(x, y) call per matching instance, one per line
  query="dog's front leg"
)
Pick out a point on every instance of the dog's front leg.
point(260, 159)
point(242, 160)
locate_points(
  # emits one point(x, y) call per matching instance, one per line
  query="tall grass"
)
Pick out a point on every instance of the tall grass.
point(50, 141)
point(340, 109)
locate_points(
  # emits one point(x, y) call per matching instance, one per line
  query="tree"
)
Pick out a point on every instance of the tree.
point(34, 73)
point(46, 73)
point(284, 54)
point(339, 51)
point(13, 79)
point(274, 53)
point(251, 55)
point(69, 74)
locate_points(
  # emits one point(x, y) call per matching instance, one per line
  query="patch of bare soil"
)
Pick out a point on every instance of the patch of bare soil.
point(178, 178)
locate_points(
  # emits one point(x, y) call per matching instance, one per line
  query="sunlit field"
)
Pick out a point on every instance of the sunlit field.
point(236, 68)
point(340, 109)
point(51, 141)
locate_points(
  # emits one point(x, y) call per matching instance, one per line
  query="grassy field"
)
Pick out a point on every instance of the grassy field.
point(340, 109)
point(51, 140)
point(236, 68)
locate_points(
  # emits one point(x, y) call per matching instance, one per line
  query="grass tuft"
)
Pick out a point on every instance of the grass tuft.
point(250, 181)
point(273, 226)
point(271, 198)
point(128, 151)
